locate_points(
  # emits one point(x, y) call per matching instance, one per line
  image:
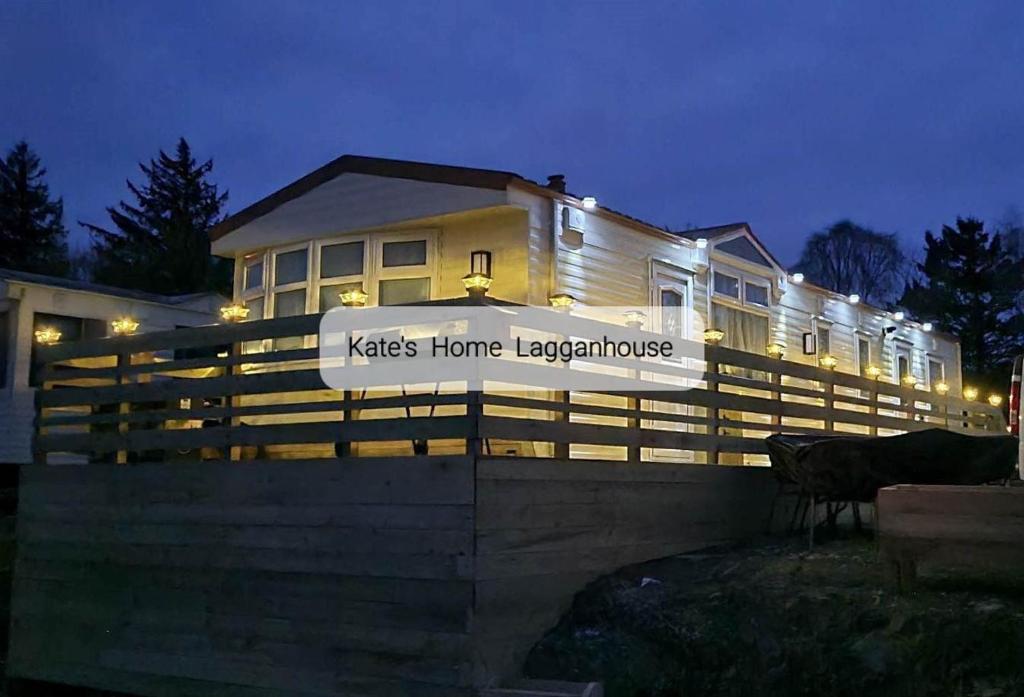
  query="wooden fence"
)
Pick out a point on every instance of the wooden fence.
point(253, 390)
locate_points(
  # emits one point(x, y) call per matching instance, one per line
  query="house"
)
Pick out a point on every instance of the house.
point(30, 303)
point(403, 231)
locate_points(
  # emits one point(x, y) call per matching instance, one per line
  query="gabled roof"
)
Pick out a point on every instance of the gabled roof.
point(377, 166)
point(89, 287)
point(718, 232)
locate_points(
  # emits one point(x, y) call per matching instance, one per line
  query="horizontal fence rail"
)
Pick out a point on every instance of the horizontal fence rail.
point(253, 391)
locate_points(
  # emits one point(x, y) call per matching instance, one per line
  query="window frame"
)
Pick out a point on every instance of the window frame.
point(930, 359)
point(361, 278)
point(858, 337)
point(398, 273)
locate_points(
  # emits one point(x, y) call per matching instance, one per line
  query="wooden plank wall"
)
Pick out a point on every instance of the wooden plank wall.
point(960, 529)
point(349, 577)
point(545, 528)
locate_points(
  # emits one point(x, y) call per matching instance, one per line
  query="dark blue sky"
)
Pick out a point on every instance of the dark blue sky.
point(789, 116)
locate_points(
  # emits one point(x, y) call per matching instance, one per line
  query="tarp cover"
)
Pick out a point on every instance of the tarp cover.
point(854, 468)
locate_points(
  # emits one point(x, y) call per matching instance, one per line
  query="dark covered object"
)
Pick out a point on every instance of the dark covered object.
point(854, 468)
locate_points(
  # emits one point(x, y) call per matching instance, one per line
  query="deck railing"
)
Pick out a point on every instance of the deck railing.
point(253, 391)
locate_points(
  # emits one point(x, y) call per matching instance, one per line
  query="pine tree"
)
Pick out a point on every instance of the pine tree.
point(32, 233)
point(971, 288)
point(160, 242)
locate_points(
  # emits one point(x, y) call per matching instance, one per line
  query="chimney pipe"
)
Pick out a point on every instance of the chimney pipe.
point(556, 182)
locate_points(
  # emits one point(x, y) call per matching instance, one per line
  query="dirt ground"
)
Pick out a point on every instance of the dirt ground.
point(775, 619)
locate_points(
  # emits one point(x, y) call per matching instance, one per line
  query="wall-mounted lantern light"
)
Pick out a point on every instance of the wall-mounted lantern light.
point(353, 297)
point(562, 301)
point(234, 313)
point(909, 380)
point(479, 278)
point(635, 319)
point(828, 361)
point(941, 388)
point(775, 350)
point(995, 399)
point(47, 336)
point(713, 336)
point(124, 326)
point(873, 372)
point(970, 393)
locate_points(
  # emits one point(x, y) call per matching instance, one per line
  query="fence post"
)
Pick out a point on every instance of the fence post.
point(474, 409)
point(712, 377)
point(38, 454)
point(873, 409)
point(830, 402)
point(123, 408)
point(231, 400)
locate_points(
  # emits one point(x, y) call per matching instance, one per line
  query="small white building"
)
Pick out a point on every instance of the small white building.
point(78, 310)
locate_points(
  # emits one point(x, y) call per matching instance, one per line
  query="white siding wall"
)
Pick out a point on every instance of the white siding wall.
point(17, 399)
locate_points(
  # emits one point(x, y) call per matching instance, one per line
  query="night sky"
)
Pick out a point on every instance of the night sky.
point(900, 117)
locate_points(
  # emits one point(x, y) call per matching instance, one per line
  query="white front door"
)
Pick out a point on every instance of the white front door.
point(672, 303)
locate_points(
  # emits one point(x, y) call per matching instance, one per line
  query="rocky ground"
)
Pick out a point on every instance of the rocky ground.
point(777, 620)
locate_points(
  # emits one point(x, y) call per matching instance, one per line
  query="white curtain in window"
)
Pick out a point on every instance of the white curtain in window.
point(744, 331)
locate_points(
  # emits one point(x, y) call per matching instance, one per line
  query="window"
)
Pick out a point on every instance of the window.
point(330, 296)
point(253, 272)
point(823, 336)
point(863, 353)
point(345, 259)
point(902, 364)
point(936, 372)
point(744, 331)
point(290, 267)
point(727, 285)
point(70, 328)
point(403, 291)
point(672, 312)
point(411, 253)
point(755, 294)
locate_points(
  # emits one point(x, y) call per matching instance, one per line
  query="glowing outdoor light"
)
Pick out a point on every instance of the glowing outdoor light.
point(562, 301)
point(713, 336)
point(479, 278)
point(353, 297)
point(797, 278)
point(775, 349)
point(702, 243)
point(828, 361)
point(873, 372)
point(123, 326)
point(899, 315)
point(942, 388)
point(635, 319)
point(927, 326)
point(589, 202)
point(995, 399)
point(909, 380)
point(234, 313)
point(47, 336)
point(970, 393)
point(854, 299)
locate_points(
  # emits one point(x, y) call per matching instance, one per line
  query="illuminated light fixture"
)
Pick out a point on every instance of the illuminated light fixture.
point(995, 399)
point(589, 202)
point(635, 319)
point(854, 299)
point(353, 297)
point(927, 326)
point(775, 350)
point(702, 243)
point(479, 278)
point(797, 278)
point(909, 380)
point(970, 393)
point(713, 336)
point(828, 361)
point(562, 301)
point(123, 326)
point(941, 388)
point(899, 315)
point(873, 372)
point(234, 313)
point(47, 336)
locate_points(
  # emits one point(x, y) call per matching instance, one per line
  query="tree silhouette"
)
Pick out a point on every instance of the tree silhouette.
point(32, 233)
